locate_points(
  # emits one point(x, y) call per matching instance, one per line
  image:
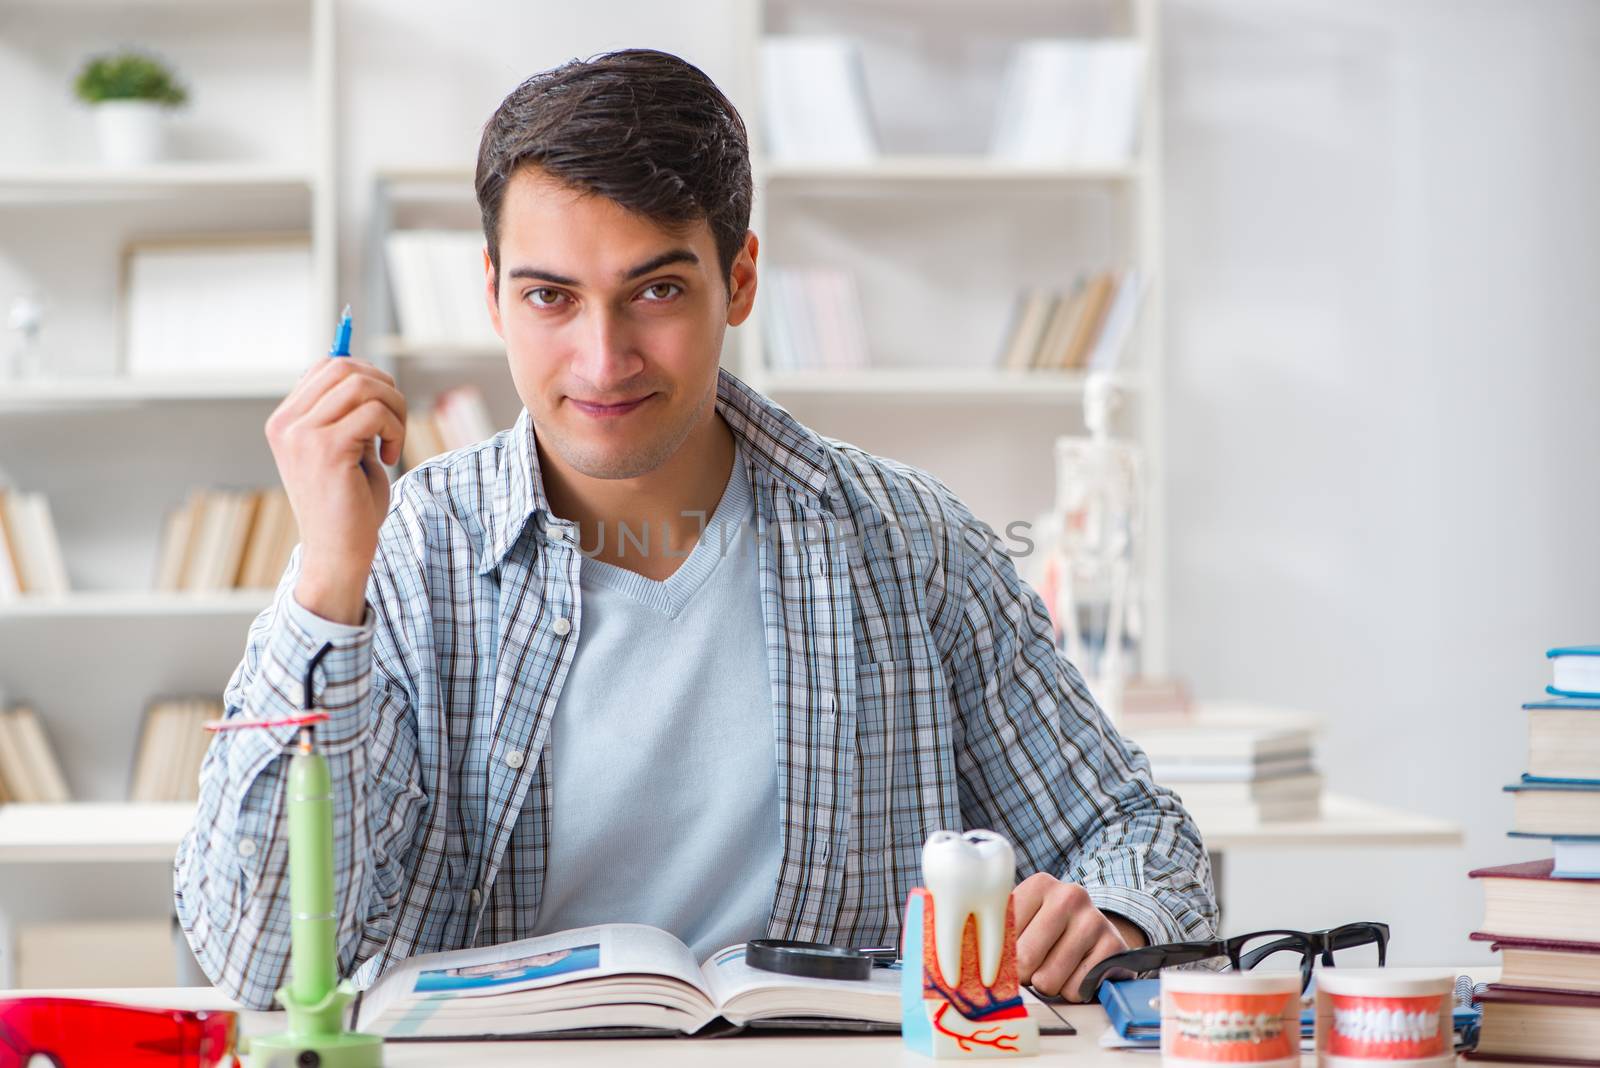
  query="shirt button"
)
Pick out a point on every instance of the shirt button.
point(831, 703)
point(247, 847)
point(476, 897)
point(562, 626)
point(514, 759)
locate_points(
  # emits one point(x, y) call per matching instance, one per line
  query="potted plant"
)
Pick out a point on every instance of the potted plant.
point(129, 91)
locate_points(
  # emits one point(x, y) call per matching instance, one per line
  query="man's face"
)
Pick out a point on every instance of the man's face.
point(612, 324)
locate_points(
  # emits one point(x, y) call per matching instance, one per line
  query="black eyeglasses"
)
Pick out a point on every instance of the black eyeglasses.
point(1247, 950)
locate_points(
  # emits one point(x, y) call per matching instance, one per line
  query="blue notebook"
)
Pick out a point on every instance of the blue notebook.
point(1539, 782)
point(1577, 856)
point(1582, 677)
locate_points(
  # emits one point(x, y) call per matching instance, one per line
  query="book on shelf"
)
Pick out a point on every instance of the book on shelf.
point(436, 282)
point(618, 979)
point(1287, 797)
point(458, 417)
point(30, 552)
point(29, 770)
point(1083, 328)
point(1070, 102)
point(226, 539)
point(813, 91)
point(172, 745)
point(1234, 773)
point(186, 296)
point(813, 320)
point(1575, 671)
point(96, 953)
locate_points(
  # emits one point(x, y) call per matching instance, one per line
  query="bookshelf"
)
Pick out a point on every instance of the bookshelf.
point(91, 832)
point(884, 219)
point(115, 453)
point(135, 604)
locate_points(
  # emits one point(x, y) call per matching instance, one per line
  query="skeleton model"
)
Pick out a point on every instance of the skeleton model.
point(1088, 574)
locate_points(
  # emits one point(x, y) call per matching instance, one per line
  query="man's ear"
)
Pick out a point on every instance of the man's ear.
point(742, 280)
point(492, 293)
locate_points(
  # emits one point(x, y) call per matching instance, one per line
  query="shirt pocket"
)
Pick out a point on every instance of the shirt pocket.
point(905, 775)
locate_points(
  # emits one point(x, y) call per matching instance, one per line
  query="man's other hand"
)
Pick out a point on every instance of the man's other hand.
point(1061, 935)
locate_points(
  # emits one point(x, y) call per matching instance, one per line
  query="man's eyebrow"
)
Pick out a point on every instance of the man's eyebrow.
point(677, 255)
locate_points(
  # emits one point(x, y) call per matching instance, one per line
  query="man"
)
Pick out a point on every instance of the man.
point(658, 653)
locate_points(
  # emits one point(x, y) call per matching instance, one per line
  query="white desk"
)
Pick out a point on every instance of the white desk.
point(839, 1050)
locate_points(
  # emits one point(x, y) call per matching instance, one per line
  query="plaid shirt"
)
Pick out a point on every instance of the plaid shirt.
point(915, 686)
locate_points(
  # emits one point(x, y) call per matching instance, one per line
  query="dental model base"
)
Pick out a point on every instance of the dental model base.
point(959, 994)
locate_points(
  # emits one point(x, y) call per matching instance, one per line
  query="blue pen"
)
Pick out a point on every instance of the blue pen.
point(341, 345)
point(341, 339)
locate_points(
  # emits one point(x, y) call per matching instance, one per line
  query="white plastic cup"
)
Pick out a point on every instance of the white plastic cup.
point(1395, 1017)
point(1236, 1018)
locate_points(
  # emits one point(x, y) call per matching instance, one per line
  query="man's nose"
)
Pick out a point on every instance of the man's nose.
point(608, 355)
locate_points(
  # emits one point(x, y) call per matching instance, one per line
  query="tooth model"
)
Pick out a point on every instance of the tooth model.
point(959, 996)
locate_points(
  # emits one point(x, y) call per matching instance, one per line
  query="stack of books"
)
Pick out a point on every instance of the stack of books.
point(813, 320)
point(459, 417)
point(1231, 774)
point(172, 743)
point(1543, 916)
point(29, 771)
point(30, 552)
point(225, 540)
point(1085, 328)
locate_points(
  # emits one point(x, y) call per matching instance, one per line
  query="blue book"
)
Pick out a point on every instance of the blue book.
point(1577, 855)
point(1540, 782)
point(1576, 671)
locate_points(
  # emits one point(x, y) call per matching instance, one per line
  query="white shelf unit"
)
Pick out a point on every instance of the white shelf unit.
point(91, 832)
point(915, 182)
point(135, 604)
point(114, 453)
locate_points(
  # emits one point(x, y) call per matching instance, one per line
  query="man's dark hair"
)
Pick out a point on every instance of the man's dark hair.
point(644, 129)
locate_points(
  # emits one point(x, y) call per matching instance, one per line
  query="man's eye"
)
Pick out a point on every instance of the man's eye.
point(654, 292)
point(544, 297)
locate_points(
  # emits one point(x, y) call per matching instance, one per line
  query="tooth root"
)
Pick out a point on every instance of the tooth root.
point(949, 921)
point(991, 939)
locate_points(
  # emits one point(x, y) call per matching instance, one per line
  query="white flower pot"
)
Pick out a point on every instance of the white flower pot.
point(132, 133)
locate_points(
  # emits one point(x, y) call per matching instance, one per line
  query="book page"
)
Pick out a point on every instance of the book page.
point(580, 955)
point(744, 993)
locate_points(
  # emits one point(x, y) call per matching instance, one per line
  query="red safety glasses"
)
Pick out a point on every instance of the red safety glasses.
point(78, 1033)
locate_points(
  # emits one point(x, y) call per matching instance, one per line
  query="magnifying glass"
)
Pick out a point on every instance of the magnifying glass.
point(816, 960)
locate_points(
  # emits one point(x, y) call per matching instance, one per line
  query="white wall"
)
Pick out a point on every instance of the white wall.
point(1384, 370)
point(1381, 360)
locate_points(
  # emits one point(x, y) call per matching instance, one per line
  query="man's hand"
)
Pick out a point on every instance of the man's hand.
point(322, 439)
point(1061, 935)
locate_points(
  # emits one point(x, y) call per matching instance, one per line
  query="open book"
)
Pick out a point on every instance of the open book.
point(620, 979)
